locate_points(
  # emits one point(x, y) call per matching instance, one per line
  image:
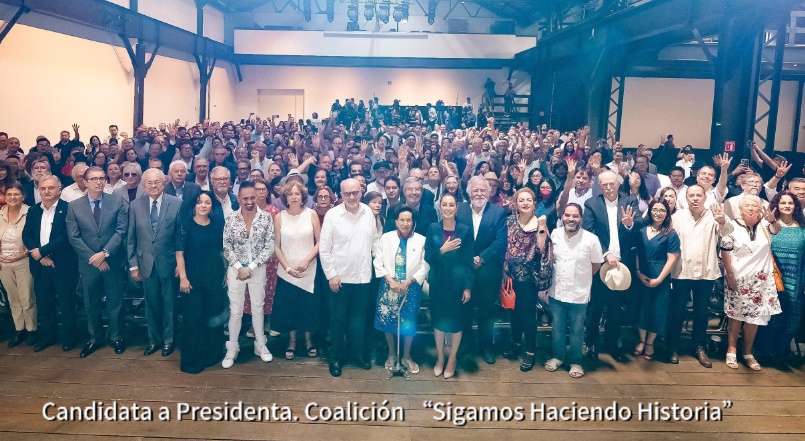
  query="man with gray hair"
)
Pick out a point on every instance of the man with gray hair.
point(177, 184)
point(132, 175)
point(488, 223)
point(220, 178)
point(424, 214)
point(152, 257)
point(79, 187)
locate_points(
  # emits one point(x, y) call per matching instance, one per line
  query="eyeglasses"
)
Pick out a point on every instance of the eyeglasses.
point(128, 175)
point(220, 179)
point(323, 196)
point(351, 194)
point(153, 183)
point(96, 179)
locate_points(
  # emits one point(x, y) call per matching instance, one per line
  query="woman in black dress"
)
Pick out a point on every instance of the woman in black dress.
point(202, 269)
point(448, 251)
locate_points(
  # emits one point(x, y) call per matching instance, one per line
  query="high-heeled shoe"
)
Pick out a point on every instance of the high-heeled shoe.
point(639, 352)
point(448, 372)
point(646, 355)
point(438, 369)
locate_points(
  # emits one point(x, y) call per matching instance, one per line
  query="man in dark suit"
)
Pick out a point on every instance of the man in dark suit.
point(97, 224)
point(40, 168)
point(53, 266)
point(611, 217)
point(178, 186)
point(488, 223)
point(152, 257)
point(424, 214)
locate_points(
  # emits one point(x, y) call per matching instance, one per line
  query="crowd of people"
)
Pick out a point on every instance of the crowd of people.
point(336, 232)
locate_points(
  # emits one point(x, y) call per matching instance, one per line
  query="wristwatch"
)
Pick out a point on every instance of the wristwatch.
point(106, 253)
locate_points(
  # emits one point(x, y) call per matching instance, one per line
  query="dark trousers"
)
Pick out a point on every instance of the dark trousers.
point(96, 285)
point(603, 297)
point(702, 289)
point(524, 315)
point(485, 291)
point(160, 294)
point(55, 296)
point(202, 333)
point(348, 309)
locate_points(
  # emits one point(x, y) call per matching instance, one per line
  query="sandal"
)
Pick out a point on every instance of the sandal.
point(312, 351)
point(390, 362)
point(576, 371)
point(641, 351)
point(290, 353)
point(646, 355)
point(552, 364)
point(732, 361)
point(751, 362)
point(411, 366)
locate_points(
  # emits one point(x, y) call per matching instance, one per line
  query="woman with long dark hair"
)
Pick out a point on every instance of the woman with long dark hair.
point(657, 250)
point(788, 248)
point(546, 202)
point(634, 185)
point(201, 266)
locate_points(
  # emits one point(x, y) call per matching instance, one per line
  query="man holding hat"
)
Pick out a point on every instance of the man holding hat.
point(610, 216)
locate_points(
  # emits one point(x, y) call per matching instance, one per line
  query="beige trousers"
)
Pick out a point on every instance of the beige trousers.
point(19, 284)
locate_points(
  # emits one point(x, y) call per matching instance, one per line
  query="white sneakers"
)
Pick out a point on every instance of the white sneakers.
point(261, 350)
point(232, 349)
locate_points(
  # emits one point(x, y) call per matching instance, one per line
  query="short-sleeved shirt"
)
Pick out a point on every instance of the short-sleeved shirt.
point(573, 259)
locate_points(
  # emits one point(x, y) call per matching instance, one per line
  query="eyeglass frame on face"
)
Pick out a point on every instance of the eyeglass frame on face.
point(130, 174)
point(96, 179)
point(351, 194)
point(324, 196)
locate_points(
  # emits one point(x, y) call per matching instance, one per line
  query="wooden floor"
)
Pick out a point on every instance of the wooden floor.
point(767, 405)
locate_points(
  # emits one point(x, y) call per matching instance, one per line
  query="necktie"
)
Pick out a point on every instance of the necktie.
point(154, 215)
point(96, 212)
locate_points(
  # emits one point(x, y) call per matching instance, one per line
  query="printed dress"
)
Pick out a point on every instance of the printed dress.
point(755, 299)
point(388, 301)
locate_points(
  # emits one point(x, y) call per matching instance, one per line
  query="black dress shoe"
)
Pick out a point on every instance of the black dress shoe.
point(89, 348)
point(592, 353)
point(335, 368)
point(363, 364)
point(489, 356)
point(704, 360)
point(673, 357)
point(617, 355)
point(513, 352)
point(43, 344)
point(120, 346)
point(68, 346)
point(168, 349)
point(150, 349)
point(33, 337)
point(18, 338)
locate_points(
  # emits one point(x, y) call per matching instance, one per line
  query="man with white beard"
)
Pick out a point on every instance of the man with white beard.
point(577, 256)
point(488, 223)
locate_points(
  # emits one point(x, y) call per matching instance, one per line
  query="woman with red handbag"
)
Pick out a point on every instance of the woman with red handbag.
point(523, 264)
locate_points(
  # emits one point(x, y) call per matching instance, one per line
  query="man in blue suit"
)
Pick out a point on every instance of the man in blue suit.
point(488, 223)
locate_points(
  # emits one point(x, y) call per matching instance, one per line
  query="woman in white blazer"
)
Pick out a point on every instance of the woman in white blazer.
point(400, 263)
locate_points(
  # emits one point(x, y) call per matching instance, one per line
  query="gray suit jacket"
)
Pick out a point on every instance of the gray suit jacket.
point(123, 192)
point(149, 250)
point(88, 238)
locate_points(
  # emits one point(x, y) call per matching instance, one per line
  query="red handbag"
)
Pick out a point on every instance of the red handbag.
point(507, 295)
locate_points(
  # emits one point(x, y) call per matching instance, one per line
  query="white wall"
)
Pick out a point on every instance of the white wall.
point(657, 106)
point(213, 24)
point(180, 13)
point(396, 45)
point(50, 81)
point(322, 85)
point(684, 108)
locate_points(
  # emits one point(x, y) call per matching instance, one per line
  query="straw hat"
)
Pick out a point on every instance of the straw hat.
point(617, 279)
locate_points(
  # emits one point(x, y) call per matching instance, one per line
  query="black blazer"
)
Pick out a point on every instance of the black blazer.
point(190, 191)
point(492, 238)
point(423, 219)
point(58, 247)
point(595, 220)
point(28, 192)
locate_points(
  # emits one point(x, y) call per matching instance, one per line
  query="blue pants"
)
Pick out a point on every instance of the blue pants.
point(566, 315)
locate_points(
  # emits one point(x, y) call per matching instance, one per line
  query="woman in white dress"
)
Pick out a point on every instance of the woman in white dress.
point(750, 294)
point(296, 235)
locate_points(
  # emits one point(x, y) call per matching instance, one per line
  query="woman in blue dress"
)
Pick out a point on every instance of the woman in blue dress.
point(788, 248)
point(400, 264)
point(657, 251)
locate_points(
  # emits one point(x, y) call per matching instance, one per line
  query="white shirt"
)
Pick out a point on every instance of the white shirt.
point(612, 220)
point(678, 191)
point(573, 259)
point(374, 186)
point(534, 164)
point(71, 193)
point(476, 220)
point(48, 214)
point(575, 198)
point(345, 246)
point(226, 204)
point(685, 166)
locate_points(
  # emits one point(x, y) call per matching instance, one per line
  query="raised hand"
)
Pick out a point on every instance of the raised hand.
point(628, 216)
point(522, 165)
point(75, 127)
point(769, 215)
point(722, 160)
point(571, 167)
point(718, 213)
point(293, 161)
point(782, 170)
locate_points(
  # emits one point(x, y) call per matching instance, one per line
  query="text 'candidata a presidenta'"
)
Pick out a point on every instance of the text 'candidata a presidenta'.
point(352, 411)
